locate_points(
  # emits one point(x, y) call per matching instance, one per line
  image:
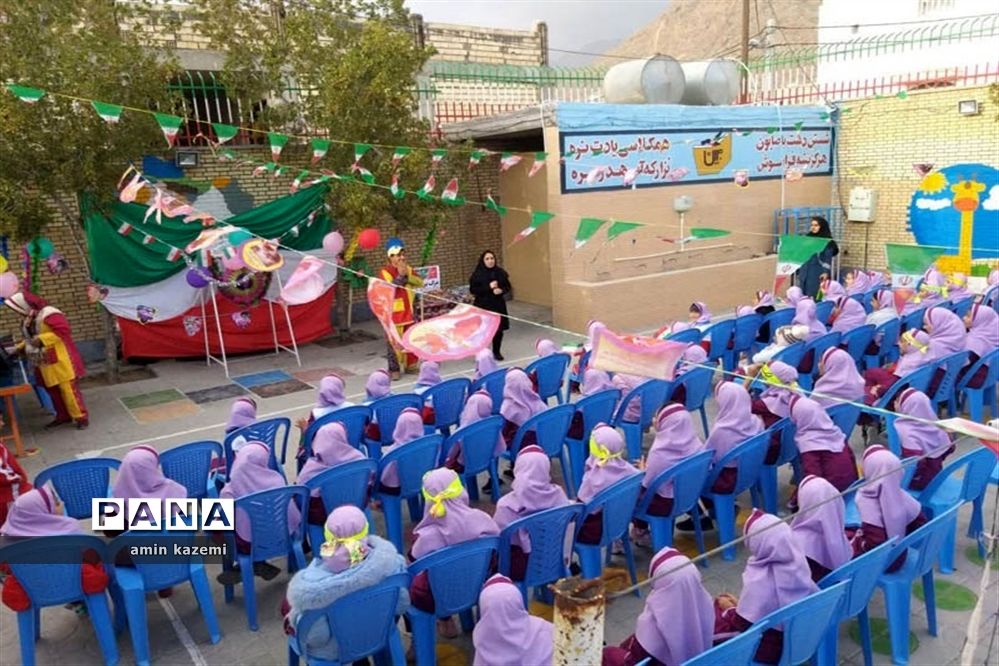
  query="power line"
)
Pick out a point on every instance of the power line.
point(886, 23)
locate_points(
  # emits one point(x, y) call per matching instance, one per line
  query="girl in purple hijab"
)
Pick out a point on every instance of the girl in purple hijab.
point(822, 447)
point(957, 287)
point(140, 476)
point(330, 448)
point(699, 314)
point(485, 363)
point(605, 466)
point(478, 406)
point(992, 292)
point(506, 633)
point(819, 528)
point(839, 380)
point(379, 385)
point(520, 403)
point(947, 332)
point(793, 296)
point(775, 401)
point(832, 291)
point(857, 282)
point(545, 347)
point(920, 436)
point(775, 576)
point(983, 337)
point(932, 290)
point(886, 510)
point(408, 427)
point(805, 315)
point(242, 413)
point(430, 375)
point(626, 384)
point(877, 279)
point(678, 620)
point(329, 398)
point(533, 491)
point(694, 356)
point(744, 310)
point(848, 315)
point(884, 310)
point(914, 346)
point(594, 381)
point(734, 424)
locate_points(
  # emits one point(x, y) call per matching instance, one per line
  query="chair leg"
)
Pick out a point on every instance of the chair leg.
point(570, 486)
point(976, 404)
point(768, 488)
point(393, 652)
point(629, 558)
point(704, 420)
point(424, 639)
point(897, 605)
point(100, 617)
point(135, 607)
point(26, 635)
point(589, 561)
point(467, 620)
point(864, 623)
point(249, 592)
point(826, 655)
point(472, 486)
point(494, 490)
point(661, 533)
point(38, 624)
point(392, 508)
point(415, 510)
point(292, 656)
point(946, 560)
point(725, 517)
point(695, 515)
point(199, 583)
point(315, 539)
point(930, 595)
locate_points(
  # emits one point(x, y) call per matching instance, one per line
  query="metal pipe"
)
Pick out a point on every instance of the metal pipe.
point(579, 621)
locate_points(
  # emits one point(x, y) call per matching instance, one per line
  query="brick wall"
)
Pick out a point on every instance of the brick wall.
point(466, 43)
point(880, 140)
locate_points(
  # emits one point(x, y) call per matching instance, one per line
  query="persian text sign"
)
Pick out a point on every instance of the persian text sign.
point(595, 161)
point(431, 276)
point(634, 355)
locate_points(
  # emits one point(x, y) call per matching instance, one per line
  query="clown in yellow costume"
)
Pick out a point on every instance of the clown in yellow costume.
point(399, 273)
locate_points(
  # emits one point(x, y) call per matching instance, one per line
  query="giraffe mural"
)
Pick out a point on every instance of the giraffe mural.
point(966, 201)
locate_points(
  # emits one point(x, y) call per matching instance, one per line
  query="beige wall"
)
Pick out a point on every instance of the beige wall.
point(527, 261)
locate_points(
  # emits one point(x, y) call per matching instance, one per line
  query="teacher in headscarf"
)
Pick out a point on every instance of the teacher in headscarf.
point(489, 285)
point(819, 264)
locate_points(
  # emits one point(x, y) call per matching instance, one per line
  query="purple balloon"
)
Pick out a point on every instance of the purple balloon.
point(197, 278)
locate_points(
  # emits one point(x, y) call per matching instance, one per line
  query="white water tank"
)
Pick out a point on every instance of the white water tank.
point(655, 80)
point(711, 82)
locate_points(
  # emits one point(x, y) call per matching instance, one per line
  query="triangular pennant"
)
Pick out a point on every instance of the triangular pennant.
point(277, 142)
point(297, 183)
point(428, 187)
point(174, 254)
point(359, 151)
point(509, 160)
point(495, 207)
point(125, 228)
point(539, 163)
point(587, 227)
point(798, 125)
point(618, 228)
point(148, 240)
point(319, 149)
point(365, 175)
point(170, 126)
point(109, 113)
point(437, 155)
point(475, 158)
point(263, 168)
point(450, 194)
point(26, 94)
point(395, 188)
point(398, 155)
point(538, 218)
point(224, 132)
point(700, 233)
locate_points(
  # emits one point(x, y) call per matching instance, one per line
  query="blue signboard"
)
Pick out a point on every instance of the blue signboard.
point(651, 158)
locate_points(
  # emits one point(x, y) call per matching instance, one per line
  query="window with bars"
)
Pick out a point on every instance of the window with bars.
point(205, 101)
point(931, 6)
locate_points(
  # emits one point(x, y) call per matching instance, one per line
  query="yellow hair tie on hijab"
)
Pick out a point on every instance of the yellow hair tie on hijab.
point(911, 339)
point(437, 508)
point(601, 452)
point(355, 549)
point(768, 376)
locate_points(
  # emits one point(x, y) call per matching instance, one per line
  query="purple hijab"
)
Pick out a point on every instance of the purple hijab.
point(329, 449)
point(331, 392)
point(850, 315)
point(140, 476)
point(918, 435)
point(447, 518)
point(933, 290)
point(626, 384)
point(814, 430)
point(520, 402)
point(693, 356)
point(957, 287)
point(735, 421)
point(877, 279)
point(832, 291)
point(251, 474)
point(242, 413)
point(983, 336)
point(485, 363)
point(545, 347)
point(595, 381)
point(947, 335)
point(532, 491)
point(379, 384)
point(430, 374)
point(776, 572)
point(675, 442)
point(506, 633)
point(408, 426)
point(478, 406)
point(606, 464)
point(794, 296)
point(346, 542)
point(678, 620)
point(886, 299)
point(703, 313)
point(804, 315)
point(839, 379)
point(860, 283)
point(765, 299)
point(778, 398)
point(917, 354)
point(881, 501)
point(819, 528)
point(33, 515)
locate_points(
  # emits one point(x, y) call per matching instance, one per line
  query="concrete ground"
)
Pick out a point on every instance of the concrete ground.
point(177, 633)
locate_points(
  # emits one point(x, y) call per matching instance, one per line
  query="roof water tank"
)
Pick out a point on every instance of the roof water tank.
point(655, 80)
point(711, 82)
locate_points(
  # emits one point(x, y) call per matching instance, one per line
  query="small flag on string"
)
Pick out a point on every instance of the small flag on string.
point(428, 187)
point(109, 113)
point(597, 173)
point(587, 227)
point(618, 228)
point(450, 194)
point(509, 160)
point(293, 232)
point(277, 142)
point(125, 228)
point(399, 154)
point(359, 150)
point(701, 233)
point(539, 163)
point(495, 207)
point(792, 252)
point(365, 175)
point(264, 168)
point(630, 175)
point(227, 156)
point(436, 156)
point(903, 94)
point(771, 130)
point(798, 125)
point(170, 126)
point(319, 149)
point(395, 188)
point(297, 183)
point(538, 218)
point(26, 94)
point(173, 254)
point(311, 218)
point(225, 132)
point(475, 158)
point(148, 240)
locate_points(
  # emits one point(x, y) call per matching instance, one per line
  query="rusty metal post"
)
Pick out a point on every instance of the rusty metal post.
point(579, 621)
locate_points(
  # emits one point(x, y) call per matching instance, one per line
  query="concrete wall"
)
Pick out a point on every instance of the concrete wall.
point(528, 260)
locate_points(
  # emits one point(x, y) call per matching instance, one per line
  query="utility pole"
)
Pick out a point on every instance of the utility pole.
point(744, 52)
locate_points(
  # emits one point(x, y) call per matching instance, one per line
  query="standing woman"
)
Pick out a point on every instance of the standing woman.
point(819, 264)
point(489, 285)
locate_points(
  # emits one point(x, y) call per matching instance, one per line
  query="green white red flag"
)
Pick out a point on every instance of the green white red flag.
point(792, 252)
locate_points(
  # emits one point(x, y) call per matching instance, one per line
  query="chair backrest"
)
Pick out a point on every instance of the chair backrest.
point(492, 382)
point(805, 623)
point(888, 334)
point(267, 512)
point(785, 430)
point(546, 531)
point(857, 340)
point(652, 395)
point(977, 466)
point(697, 383)
point(952, 365)
point(387, 410)
point(413, 460)
point(746, 329)
point(448, 399)
point(190, 465)
point(457, 573)
point(844, 415)
point(616, 504)
point(354, 419)
point(748, 457)
point(346, 483)
point(355, 640)
point(861, 577)
point(48, 568)
point(913, 319)
point(918, 379)
point(823, 311)
point(927, 541)
point(819, 346)
point(271, 432)
point(990, 360)
point(550, 427)
point(688, 335)
point(597, 408)
point(962, 306)
point(550, 372)
point(688, 479)
point(478, 443)
point(157, 571)
point(778, 318)
point(792, 354)
point(77, 482)
point(736, 651)
point(719, 335)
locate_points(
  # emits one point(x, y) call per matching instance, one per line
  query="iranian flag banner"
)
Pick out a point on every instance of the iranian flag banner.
point(319, 149)
point(277, 142)
point(538, 218)
point(170, 126)
point(509, 160)
point(109, 113)
point(539, 163)
point(26, 94)
point(588, 226)
point(792, 253)
point(399, 154)
point(907, 263)
point(450, 194)
point(396, 188)
point(224, 132)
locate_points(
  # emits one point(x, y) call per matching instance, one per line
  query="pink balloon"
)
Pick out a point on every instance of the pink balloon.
point(234, 263)
point(333, 243)
point(9, 284)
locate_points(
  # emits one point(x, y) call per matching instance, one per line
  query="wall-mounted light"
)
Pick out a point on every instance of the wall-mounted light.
point(968, 107)
point(186, 158)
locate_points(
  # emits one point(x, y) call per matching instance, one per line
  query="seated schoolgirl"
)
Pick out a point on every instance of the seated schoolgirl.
point(763, 304)
point(520, 403)
point(577, 366)
point(485, 363)
point(242, 412)
point(848, 314)
point(734, 424)
point(957, 287)
point(858, 282)
point(594, 381)
point(13, 480)
point(330, 448)
point(408, 428)
point(626, 384)
point(921, 437)
point(784, 337)
point(914, 346)
point(832, 290)
point(378, 386)
point(329, 398)
point(883, 308)
point(544, 348)
point(822, 447)
point(430, 375)
point(140, 476)
point(983, 337)
point(793, 296)
point(838, 380)
point(698, 315)
point(818, 529)
point(932, 290)
point(605, 466)
point(805, 315)
point(478, 406)
point(947, 336)
point(506, 633)
point(694, 356)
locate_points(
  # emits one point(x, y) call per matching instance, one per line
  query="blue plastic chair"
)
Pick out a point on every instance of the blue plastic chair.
point(824, 310)
point(577, 376)
point(918, 379)
point(743, 336)
point(49, 570)
point(921, 549)
point(719, 337)
point(493, 383)
point(270, 432)
point(776, 319)
point(688, 479)
point(478, 445)
point(354, 419)
point(267, 511)
point(550, 373)
point(546, 531)
point(765, 490)
point(845, 416)
point(131, 584)
point(818, 347)
point(550, 427)
point(861, 577)
point(77, 482)
point(888, 334)
point(946, 491)
point(386, 412)
point(447, 399)
point(456, 575)
point(962, 307)
point(792, 354)
point(913, 320)
point(595, 408)
point(748, 458)
point(377, 634)
point(805, 622)
point(735, 651)
point(856, 340)
point(413, 460)
point(616, 504)
point(688, 335)
point(867, 299)
point(652, 395)
point(191, 466)
point(945, 394)
point(977, 398)
point(697, 389)
point(346, 484)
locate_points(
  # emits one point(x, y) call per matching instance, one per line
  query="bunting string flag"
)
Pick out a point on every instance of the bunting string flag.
point(588, 226)
point(493, 206)
point(109, 113)
point(474, 158)
point(26, 94)
point(224, 132)
point(538, 218)
point(427, 188)
point(436, 155)
point(398, 155)
point(277, 142)
point(509, 160)
point(319, 149)
point(618, 228)
point(360, 149)
point(450, 194)
point(539, 163)
point(395, 188)
point(170, 126)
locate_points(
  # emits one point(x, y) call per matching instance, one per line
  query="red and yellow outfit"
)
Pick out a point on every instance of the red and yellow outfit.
point(402, 313)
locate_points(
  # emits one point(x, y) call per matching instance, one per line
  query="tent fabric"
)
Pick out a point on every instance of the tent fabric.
point(124, 261)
